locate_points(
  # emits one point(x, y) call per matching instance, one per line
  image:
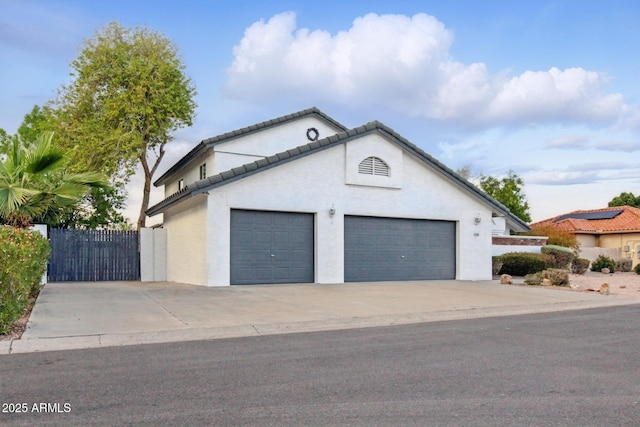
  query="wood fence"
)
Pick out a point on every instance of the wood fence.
point(93, 255)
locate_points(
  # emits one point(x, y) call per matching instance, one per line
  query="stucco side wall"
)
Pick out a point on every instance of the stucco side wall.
point(186, 227)
point(630, 241)
point(316, 184)
point(586, 240)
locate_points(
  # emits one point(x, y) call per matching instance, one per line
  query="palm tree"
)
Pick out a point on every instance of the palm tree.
point(34, 183)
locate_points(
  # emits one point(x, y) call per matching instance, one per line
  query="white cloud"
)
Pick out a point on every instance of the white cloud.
point(563, 178)
point(568, 142)
point(405, 63)
point(585, 173)
point(628, 147)
point(600, 166)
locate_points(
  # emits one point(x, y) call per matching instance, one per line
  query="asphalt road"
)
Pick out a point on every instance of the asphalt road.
point(574, 368)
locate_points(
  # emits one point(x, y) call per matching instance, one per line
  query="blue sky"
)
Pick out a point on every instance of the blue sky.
point(546, 88)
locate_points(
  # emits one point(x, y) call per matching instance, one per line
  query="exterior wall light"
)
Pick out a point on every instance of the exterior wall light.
point(332, 211)
point(477, 219)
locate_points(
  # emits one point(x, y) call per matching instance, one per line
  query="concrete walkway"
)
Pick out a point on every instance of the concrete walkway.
point(95, 314)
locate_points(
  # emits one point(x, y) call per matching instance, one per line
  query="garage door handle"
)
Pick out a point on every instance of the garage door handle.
point(402, 256)
point(272, 255)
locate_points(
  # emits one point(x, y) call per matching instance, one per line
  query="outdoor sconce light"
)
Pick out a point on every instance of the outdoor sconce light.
point(332, 211)
point(477, 219)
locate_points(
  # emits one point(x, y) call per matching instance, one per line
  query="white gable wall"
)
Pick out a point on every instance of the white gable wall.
point(316, 183)
point(249, 148)
point(192, 173)
point(254, 146)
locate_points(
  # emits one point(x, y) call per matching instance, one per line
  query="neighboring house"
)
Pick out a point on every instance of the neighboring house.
point(613, 231)
point(302, 199)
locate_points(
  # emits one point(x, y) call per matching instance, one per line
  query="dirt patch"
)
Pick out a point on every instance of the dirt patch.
point(621, 284)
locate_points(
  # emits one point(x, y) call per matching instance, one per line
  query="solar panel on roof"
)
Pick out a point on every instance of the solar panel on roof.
point(590, 215)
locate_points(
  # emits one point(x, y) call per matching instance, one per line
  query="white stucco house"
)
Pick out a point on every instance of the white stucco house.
point(303, 199)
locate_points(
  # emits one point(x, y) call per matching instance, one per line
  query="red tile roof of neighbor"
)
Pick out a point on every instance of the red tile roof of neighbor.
point(596, 221)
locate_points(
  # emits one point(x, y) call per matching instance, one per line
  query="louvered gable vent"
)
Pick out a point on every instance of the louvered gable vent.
point(373, 166)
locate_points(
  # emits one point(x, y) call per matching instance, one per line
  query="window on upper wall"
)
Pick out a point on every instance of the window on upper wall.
point(373, 166)
point(180, 184)
point(203, 171)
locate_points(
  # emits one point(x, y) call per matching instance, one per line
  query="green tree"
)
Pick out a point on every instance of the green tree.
point(508, 191)
point(625, 199)
point(5, 143)
point(128, 96)
point(99, 208)
point(34, 183)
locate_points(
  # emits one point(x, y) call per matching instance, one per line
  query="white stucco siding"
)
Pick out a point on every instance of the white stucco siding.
point(316, 183)
point(191, 173)
point(251, 147)
point(427, 195)
point(186, 227)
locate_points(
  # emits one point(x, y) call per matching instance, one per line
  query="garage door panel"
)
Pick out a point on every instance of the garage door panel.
point(398, 249)
point(271, 247)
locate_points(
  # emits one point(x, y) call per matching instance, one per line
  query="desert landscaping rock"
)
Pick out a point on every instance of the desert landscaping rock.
point(506, 279)
point(619, 284)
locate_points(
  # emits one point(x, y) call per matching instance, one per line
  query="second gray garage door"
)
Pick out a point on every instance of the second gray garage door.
point(383, 249)
point(271, 247)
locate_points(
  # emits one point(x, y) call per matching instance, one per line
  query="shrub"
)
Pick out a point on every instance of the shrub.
point(564, 256)
point(534, 279)
point(556, 237)
point(496, 265)
point(603, 262)
point(637, 268)
point(557, 277)
point(22, 263)
point(580, 265)
point(624, 264)
point(523, 263)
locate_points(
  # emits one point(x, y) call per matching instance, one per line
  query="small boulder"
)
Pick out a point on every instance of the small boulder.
point(506, 279)
point(605, 271)
point(604, 289)
point(546, 282)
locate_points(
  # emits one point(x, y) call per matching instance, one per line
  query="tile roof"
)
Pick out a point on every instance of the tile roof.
point(248, 169)
point(210, 142)
point(626, 221)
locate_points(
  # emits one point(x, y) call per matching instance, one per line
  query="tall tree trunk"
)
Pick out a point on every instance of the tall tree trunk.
point(148, 175)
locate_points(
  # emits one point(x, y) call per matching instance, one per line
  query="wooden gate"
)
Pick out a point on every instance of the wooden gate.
point(93, 255)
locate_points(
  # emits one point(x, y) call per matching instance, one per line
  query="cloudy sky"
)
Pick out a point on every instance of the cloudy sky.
point(548, 89)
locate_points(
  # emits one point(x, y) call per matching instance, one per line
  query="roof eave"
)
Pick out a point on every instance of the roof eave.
point(200, 187)
point(241, 132)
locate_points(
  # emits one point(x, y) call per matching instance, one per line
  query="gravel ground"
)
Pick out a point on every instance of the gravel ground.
point(622, 284)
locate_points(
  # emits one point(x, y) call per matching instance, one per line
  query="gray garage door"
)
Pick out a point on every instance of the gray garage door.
point(271, 247)
point(379, 249)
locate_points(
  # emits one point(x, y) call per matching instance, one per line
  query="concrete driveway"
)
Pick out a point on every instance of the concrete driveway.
point(94, 314)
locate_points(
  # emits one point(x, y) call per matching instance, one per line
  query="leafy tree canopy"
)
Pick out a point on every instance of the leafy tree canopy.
point(625, 199)
point(98, 208)
point(508, 191)
point(128, 95)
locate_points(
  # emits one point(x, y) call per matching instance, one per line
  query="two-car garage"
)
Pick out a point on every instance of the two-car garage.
point(279, 247)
